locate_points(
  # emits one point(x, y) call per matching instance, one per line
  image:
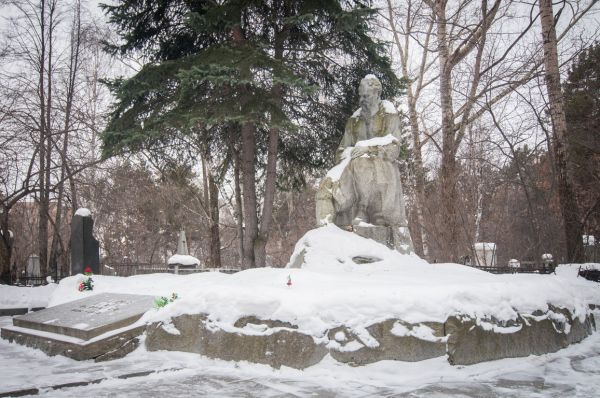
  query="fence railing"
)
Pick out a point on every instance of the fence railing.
point(130, 269)
point(22, 280)
point(31, 281)
point(591, 274)
point(523, 269)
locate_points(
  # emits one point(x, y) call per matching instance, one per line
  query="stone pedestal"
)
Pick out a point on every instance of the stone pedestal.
point(395, 238)
point(378, 233)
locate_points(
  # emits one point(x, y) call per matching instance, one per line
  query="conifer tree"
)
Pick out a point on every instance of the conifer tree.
point(582, 109)
point(258, 85)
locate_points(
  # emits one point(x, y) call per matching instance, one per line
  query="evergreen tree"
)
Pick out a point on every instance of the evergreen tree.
point(253, 84)
point(582, 108)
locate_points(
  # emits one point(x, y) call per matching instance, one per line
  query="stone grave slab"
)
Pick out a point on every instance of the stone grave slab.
point(100, 326)
point(88, 317)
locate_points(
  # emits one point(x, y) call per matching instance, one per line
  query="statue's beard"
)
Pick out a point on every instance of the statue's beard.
point(367, 109)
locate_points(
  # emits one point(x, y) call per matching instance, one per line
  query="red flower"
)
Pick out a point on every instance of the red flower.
point(88, 270)
point(81, 287)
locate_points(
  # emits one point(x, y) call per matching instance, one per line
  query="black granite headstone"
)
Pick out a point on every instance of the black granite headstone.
point(85, 250)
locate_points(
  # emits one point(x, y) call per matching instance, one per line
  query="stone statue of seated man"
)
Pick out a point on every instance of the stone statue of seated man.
point(363, 191)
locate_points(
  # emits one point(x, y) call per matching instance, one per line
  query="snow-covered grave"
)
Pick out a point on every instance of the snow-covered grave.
point(325, 304)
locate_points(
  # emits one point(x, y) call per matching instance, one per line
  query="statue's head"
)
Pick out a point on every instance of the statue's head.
point(369, 92)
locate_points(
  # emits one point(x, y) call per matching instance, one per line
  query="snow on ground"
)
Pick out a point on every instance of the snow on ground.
point(25, 297)
point(573, 372)
point(328, 291)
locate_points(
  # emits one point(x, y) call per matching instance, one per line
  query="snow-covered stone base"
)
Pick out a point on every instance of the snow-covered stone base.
point(341, 306)
point(472, 341)
point(464, 341)
point(275, 346)
point(107, 347)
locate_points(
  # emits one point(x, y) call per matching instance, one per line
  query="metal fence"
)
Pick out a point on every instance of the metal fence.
point(130, 269)
point(591, 274)
point(525, 268)
point(30, 281)
point(23, 280)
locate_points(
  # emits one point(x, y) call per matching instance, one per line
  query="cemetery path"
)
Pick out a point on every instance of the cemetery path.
point(573, 372)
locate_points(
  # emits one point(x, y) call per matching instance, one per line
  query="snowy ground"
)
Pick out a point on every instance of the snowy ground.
point(572, 372)
point(329, 290)
point(25, 297)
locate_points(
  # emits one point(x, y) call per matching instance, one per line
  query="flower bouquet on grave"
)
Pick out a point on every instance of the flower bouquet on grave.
point(87, 283)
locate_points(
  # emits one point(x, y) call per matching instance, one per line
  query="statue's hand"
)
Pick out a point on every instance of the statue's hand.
point(360, 150)
point(390, 152)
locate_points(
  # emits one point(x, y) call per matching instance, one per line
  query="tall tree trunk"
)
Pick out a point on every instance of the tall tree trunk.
point(211, 204)
point(260, 246)
point(248, 163)
point(568, 202)
point(215, 237)
point(5, 247)
point(448, 172)
point(42, 203)
point(419, 182)
point(239, 216)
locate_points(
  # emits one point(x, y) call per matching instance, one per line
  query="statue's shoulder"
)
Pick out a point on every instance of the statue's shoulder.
point(388, 108)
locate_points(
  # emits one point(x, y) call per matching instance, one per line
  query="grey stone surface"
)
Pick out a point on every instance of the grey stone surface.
point(113, 346)
point(97, 327)
point(365, 259)
point(282, 347)
point(33, 266)
point(391, 347)
point(85, 251)
point(369, 187)
point(379, 233)
point(470, 343)
point(88, 317)
point(182, 246)
point(461, 339)
point(270, 323)
point(182, 250)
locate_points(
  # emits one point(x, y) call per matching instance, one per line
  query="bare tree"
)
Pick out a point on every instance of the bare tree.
point(415, 31)
point(485, 51)
point(568, 202)
point(42, 75)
